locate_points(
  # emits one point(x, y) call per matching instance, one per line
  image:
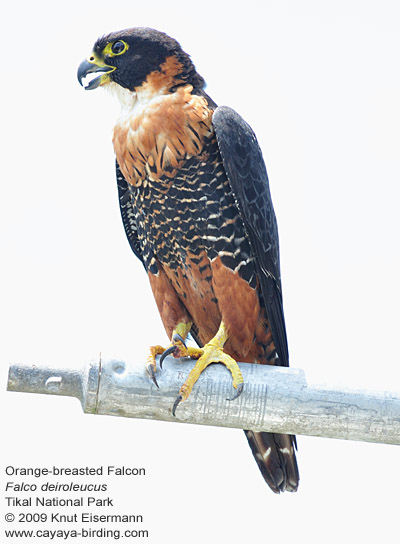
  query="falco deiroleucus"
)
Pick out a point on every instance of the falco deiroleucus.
point(197, 211)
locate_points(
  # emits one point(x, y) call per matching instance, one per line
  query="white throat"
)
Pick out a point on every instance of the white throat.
point(126, 98)
point(134, 103)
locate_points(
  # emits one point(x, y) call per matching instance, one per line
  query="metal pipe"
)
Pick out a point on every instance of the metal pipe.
point(274, 399)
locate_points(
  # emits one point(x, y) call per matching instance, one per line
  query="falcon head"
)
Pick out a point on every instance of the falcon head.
point(130, 58)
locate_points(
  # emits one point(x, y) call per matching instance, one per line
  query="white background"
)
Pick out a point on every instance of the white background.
point(320, 84)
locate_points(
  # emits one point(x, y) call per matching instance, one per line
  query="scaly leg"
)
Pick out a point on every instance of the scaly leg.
point(211, 353)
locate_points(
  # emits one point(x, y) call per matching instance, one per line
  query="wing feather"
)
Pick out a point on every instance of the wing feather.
point(247, 174)
point(127, 213)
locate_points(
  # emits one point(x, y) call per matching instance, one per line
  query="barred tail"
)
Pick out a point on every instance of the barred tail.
point(276, 459)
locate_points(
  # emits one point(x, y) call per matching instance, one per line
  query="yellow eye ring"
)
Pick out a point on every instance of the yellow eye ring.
point(114, 49)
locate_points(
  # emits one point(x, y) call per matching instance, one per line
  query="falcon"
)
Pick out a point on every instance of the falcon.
point(195, 203)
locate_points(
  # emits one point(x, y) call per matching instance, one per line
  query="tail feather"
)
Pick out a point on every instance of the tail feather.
point(276, 459)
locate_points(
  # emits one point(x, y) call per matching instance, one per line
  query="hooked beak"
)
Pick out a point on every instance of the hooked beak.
point(87, 67)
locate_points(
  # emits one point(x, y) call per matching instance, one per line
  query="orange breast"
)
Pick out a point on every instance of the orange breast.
point(160, 131)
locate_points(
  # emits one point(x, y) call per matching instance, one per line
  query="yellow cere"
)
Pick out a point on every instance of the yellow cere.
point(95, 59)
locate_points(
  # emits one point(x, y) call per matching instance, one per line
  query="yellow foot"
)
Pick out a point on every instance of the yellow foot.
point(151, 366)
point(211, 353)
point(177, 349)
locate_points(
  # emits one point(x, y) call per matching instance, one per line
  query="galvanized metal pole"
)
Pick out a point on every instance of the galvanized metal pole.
point(274, 399)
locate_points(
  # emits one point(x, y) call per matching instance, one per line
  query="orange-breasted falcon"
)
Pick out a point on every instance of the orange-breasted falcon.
point(197, 211)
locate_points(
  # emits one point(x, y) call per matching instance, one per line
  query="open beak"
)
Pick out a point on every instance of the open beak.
point(88, 69)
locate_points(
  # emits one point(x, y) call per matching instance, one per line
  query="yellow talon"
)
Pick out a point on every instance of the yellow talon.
point(177, 347)
point(151, 362)
point(211, 353)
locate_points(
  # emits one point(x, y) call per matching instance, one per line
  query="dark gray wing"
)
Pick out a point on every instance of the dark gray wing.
point(125, 197)
point(247, 174)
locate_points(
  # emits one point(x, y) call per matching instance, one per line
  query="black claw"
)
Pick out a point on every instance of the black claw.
point(178, 338)
point(169, 350)
point(238, 392)
point(178, 400)
point(152, 375)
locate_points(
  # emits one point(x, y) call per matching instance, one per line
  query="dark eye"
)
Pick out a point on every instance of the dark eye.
point(117, 47)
